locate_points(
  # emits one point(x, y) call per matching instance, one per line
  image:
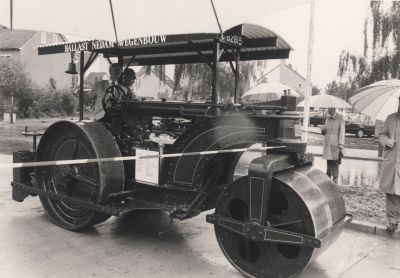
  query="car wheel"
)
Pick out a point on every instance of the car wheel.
point(360, 133)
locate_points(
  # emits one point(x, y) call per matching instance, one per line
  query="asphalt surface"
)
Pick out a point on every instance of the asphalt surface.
point(131, 246)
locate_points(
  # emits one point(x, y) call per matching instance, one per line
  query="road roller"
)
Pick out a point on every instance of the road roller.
point(272, 211)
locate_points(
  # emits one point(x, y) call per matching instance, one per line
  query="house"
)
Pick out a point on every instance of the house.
point(286, 75)
point(148, 85)
point(93, 77)
point(21, 45)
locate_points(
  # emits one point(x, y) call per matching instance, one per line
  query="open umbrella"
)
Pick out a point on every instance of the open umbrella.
point(134, 18)
point(377, 100)
point(267, 92)
point(325, 101)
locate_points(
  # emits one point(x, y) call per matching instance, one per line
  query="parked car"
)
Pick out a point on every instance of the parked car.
point(360, 129)
point(318, 118)
point(360, 125)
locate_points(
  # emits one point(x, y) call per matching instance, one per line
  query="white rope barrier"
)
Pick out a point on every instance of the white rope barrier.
point(125, 158)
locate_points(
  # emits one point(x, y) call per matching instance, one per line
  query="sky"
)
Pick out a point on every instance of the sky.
point(338, 23)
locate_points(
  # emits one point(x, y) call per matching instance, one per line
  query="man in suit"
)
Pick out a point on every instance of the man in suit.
point(334, 134)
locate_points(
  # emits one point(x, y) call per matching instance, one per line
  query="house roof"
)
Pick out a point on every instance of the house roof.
point(168, 80)
point(14, 39)
point(261, 79)
point(94, 76)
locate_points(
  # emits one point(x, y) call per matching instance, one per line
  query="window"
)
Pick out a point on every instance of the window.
point(5, 57)
point(43, 37)
point(55, 38)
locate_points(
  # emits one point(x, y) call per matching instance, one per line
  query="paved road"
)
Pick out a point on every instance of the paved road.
point(129, 246)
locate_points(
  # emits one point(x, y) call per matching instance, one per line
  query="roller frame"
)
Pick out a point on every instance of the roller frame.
point(257, 232)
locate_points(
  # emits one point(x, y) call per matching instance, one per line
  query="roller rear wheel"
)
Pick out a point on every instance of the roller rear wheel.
point(90, 182)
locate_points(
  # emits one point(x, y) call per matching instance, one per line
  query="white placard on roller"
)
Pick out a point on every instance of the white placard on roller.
point(146, 170)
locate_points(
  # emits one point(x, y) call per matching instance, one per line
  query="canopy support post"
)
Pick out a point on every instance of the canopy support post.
point(121, 61)
point(237, 76)
point(130, 62)
point(216, 55)
point(108, 59)
point(81, 73)
point(90, 61)
point(207, 62)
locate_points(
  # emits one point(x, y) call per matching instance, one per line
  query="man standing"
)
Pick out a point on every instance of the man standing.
point(333, 131)
point(390, 176)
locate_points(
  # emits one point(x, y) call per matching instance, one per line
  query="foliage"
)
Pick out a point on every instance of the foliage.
point(30, 102)
point(342, 90)
point(315, 91)
point(194, 80)
point(13, 82)
point(381, 56)
point(43, 103)
point(52, 84)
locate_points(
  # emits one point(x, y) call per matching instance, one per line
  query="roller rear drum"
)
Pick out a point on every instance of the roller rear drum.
point(90, 182)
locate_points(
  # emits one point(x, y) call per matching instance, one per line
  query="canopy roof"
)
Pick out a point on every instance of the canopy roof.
point(255, 43)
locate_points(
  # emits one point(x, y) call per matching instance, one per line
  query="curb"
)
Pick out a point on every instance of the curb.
point(373, 229)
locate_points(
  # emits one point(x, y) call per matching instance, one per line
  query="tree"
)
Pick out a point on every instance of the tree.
point(14, 82)
point(52, 84)
point(195, 79)
point(381, 55)
point(343, 90)
point(315, 91)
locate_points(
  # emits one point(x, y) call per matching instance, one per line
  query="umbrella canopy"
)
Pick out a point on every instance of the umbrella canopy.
point(377, 100)
point(267, 92)
point(134, 18)
point(326, 101)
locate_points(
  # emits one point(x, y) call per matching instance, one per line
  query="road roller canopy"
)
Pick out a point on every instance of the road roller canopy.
point(254, 42)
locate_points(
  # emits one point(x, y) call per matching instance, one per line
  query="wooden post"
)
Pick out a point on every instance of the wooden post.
point(121, 64)
point(378, 129)
point(215, 94)
point(309, 68)
point(81, 73)
point(121, 61)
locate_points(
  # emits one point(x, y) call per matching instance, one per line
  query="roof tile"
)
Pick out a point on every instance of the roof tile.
point(14, 39)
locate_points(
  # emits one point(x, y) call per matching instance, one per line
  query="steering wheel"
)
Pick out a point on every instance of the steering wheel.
point(113, 98)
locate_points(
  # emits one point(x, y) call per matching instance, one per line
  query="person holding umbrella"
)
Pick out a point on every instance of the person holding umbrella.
point(334, 132)
point(389, 138)
point(380, 100)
